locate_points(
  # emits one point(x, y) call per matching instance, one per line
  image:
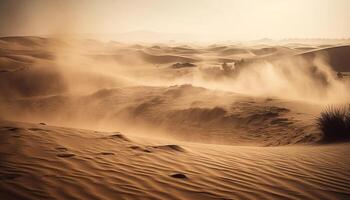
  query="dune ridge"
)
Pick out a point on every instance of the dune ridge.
point(185, 112)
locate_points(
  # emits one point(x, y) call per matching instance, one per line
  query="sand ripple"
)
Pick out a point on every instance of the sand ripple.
point(61, 163)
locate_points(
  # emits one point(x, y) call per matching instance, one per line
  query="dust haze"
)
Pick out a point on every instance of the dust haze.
point(120, 99)
point(105, 85)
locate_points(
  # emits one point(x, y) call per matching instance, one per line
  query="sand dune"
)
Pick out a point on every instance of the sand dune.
point(231, 51)
point(161, 59)
point(23, 42)
point(245, 129)
point(338, 57)
point(19, 82)
point(37, 160)
point(185, 112)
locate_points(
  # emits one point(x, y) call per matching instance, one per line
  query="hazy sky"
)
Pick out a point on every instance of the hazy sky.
point(206, 19)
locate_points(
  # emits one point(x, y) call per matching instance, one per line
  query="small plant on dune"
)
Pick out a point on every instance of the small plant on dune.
point(347, 120)
point(334, 122)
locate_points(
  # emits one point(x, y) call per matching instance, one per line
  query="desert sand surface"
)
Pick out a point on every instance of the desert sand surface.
point(85, 119)
point(49, 162)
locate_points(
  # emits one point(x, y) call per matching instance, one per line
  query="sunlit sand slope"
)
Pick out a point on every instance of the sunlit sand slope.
point(46, 162)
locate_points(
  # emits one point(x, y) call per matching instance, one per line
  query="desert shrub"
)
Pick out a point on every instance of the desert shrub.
point(334, 123)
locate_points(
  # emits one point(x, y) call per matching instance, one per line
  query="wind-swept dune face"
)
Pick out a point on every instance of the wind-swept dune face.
point(26, 70)
point(192, 100)
point(337, 57)
point(29, 82)
point(189, 92)
point(207, 122)
point(310, 76)
point(182, 112)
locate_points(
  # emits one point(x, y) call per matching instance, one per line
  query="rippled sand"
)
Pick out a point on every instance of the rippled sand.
point(47, 162)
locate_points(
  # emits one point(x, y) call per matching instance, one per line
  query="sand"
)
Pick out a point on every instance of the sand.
point(48, 162)
point(108, 120)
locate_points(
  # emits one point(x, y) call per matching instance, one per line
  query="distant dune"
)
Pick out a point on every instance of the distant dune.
point(338, 57)
point(162, 59)
point(24, 42)
point(230, 51)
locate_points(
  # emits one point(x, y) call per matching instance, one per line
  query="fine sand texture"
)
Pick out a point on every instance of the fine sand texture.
point(48, 162)
point(85, 119)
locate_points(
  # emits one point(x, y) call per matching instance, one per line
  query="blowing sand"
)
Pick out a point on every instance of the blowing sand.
point(93, 120)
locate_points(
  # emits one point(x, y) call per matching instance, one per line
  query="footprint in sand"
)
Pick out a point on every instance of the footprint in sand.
point(61, 149)
point(65, 155)
point(63, 152)
point(178, 175)
point(107, 153)
point(135, 147)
